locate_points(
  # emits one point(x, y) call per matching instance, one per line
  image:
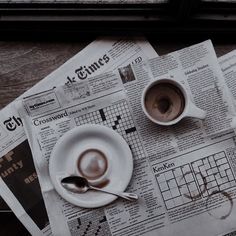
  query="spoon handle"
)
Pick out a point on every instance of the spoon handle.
point(127, 196)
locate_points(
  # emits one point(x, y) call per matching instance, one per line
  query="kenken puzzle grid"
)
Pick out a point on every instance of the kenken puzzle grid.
point(216, 170)
point(200, 178)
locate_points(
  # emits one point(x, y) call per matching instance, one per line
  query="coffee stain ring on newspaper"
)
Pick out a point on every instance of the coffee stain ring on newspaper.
point(79, 146)
point(196, 196)
point(217, 211)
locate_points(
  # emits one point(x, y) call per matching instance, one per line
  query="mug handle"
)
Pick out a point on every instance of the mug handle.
point(195, 112)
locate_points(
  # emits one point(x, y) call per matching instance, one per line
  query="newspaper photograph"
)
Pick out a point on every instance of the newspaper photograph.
point(19, 185)
point(185, 174)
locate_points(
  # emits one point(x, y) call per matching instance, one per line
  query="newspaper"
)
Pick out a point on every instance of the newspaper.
point(184, 174)
point(19, 185)
point(228, 66)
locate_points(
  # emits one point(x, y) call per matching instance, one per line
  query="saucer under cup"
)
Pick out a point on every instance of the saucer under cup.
point(64, 159)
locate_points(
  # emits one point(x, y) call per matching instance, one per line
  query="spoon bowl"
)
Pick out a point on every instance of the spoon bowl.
point(75, 184)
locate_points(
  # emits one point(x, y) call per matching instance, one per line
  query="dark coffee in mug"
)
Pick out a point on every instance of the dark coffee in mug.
point(164, 101)
point(92, 164)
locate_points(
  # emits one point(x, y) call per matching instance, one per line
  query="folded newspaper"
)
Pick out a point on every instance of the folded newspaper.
point(19, 185)
point(184, 174)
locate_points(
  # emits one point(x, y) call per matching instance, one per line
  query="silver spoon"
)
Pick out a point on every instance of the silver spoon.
point(78, 184)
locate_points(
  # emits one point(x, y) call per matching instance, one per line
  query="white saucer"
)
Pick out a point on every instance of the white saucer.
point(64, 157)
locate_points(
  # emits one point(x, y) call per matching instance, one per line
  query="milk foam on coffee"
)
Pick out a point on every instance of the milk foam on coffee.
point(164, 102)
point(92, 164)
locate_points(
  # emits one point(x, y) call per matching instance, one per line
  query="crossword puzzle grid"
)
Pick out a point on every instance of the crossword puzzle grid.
point(91, 224)
point(216, 170)
point(117, 117)
point(177, 186)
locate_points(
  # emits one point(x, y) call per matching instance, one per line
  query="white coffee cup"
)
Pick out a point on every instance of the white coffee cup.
point(166, 102)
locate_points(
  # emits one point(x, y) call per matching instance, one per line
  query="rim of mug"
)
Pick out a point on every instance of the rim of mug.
point(171, 81)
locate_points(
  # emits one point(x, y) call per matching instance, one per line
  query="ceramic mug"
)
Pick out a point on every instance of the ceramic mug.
point(166, 102)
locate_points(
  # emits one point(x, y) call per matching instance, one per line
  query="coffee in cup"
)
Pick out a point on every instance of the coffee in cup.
point(165, 102)
point(93, 165)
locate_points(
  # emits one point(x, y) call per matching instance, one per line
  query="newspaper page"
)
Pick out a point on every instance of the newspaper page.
point(228, 66)
point(19, 185)
point(184, 174)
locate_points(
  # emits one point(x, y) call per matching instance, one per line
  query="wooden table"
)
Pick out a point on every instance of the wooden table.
point(23, 64)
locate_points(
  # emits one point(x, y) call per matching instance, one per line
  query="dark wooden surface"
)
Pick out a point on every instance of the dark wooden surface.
point(23, 64)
